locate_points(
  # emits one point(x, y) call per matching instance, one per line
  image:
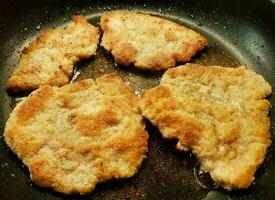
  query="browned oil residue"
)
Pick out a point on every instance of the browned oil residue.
point(104, 63)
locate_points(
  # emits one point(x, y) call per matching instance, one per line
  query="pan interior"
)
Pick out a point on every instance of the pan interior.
point(166, 173)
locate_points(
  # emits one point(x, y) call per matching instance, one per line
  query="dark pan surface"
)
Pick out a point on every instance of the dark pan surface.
point(239, 33)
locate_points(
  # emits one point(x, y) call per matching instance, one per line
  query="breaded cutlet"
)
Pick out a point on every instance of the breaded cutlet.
point(50, 59)
point(148, 42)
point(81, 134)
point(219, 114)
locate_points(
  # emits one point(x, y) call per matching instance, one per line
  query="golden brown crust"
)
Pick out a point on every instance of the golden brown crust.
point(148, 42)
point(35, 104)
point(73, 137)
point(50, 59)
point(220, 114)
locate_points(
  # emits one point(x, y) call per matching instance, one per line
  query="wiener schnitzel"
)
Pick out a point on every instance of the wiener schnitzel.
point(50, 59)
point(73, 137)
point(148, 42)
point(220, 114)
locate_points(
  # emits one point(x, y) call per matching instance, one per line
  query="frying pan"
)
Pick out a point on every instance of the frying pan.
point(240, 32)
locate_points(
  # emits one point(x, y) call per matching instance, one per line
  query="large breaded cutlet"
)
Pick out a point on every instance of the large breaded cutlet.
point(73, 137)
point(148, 42)
point(50, 59)
point(220, 114)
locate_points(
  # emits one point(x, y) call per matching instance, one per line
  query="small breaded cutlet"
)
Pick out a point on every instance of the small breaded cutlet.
point(78, 135)
point(220, 114)
point(148, 42)
point(50, 59)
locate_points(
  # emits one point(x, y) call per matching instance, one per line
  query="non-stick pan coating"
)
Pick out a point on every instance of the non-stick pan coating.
point(240, 32)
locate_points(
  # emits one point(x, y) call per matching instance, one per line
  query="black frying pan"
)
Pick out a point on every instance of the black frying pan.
point(240, 32)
